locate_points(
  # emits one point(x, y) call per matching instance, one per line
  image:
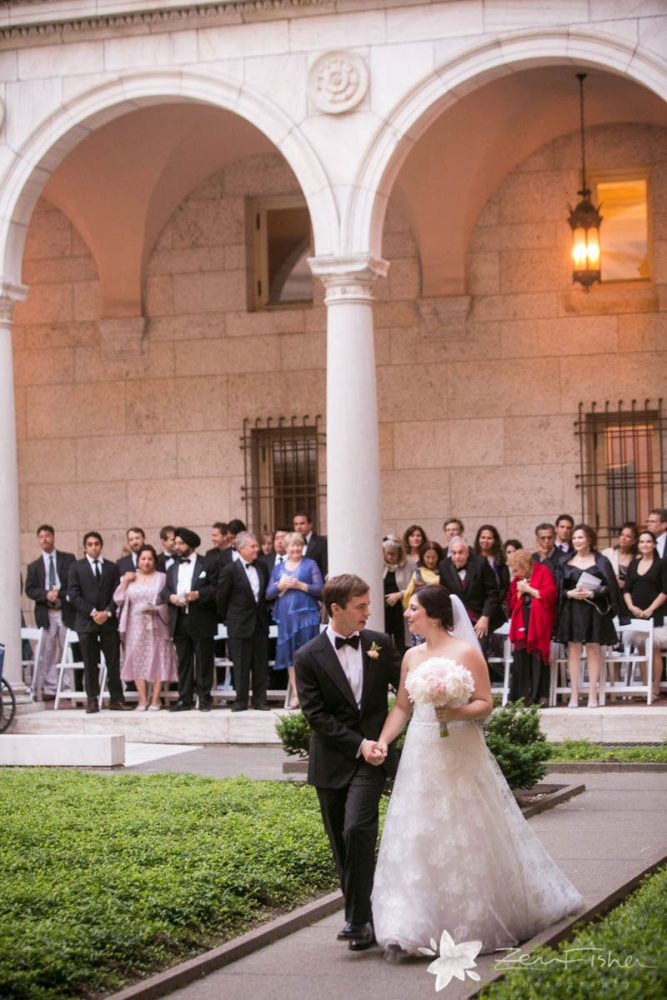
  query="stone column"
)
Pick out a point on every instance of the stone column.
point(10, 564)
point(353, 453)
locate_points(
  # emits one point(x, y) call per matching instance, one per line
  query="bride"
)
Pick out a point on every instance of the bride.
point(456, 853)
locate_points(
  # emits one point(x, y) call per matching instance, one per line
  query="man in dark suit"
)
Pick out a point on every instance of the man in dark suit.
point(92, 582)
point(222, 539)
point(564, 526)
point(46, 585)
point(242, 607)
point(279, 553)
point(547, 553)
point(471, 578)
point(167, 556)
point(190, 593)
point(342, 678)
point(136, 537)
point(317, 546)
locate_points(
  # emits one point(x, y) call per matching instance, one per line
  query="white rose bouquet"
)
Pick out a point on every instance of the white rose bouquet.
point(442, 683)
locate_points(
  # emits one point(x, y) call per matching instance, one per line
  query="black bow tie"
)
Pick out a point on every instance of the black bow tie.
point(351, 640)
point(188, 561)
point(247, 565)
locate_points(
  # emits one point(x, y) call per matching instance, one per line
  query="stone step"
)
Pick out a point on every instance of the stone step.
point(60, 750)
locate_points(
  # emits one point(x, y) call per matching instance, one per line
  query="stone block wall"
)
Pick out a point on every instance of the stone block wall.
point(477, 395)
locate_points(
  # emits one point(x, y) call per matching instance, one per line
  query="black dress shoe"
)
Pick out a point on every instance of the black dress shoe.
point(180, 706)
point(120, 706)
point(261, 708)
point(363, 940)
point(349, 931)
point(236, 707)
point(92, 707)
point(204, 706)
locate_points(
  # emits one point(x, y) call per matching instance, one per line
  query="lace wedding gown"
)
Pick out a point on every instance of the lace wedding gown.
point(456, 853)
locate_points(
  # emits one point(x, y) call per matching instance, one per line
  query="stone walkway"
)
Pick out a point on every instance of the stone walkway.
point(601, 839)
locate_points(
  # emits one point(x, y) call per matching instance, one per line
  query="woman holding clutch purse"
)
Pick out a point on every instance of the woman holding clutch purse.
point(588, 601)
point(149, 655)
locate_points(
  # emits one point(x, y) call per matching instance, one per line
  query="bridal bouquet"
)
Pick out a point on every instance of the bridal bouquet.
point(441, 683)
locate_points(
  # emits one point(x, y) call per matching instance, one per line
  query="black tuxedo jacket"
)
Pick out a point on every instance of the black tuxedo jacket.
point(338, 725)
point(202, 618)
point(36, 588)
point(318, 549)
point(237, 607)
point(126, 565)
point(480, 594)
point(85, 593)
point(161, 563)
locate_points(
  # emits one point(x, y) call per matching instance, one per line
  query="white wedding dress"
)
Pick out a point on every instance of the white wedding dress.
point(456, 853)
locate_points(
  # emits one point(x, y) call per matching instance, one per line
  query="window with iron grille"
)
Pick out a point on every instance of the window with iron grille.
point(622, 470)
point(284, 468)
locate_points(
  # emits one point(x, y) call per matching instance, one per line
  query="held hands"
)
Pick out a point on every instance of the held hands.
point(192, 595)
point(580, 593)
point(52, 595)
point(99, 617)
point(392, 599)
point(373, 751)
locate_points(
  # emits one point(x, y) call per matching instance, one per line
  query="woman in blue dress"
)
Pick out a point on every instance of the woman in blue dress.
point(296, 588)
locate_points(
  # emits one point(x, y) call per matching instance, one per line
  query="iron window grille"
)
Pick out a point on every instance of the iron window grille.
point(621, 464)
point(284, 468)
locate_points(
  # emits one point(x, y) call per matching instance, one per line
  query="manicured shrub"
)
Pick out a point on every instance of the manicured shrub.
point(294, 733)
point(572, 750)
point(514, 737)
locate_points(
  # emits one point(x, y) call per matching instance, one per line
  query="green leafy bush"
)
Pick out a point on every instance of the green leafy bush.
point(294, 733)
point(106, 878)
point(514, 737)
point(573, 750)
point(623, 956)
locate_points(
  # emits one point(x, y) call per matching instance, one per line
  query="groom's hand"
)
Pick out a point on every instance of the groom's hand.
point(372, 752)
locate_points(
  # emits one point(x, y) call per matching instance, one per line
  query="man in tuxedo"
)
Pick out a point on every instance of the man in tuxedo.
point(190, 594)
point(136, 537)
point(657, 523)
point(452, 528)
point(279, 554)
point(46, 585)
point(564, 526)
point(342, 678)
point(243, 608)
point(167, 556)
point(92, 582)
point(316, 547)
point(221, 540)
point(471, 578)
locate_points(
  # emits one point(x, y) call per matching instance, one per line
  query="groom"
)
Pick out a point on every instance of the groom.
point(342, 678)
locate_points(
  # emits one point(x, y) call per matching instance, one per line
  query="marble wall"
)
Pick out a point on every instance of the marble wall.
point(477, 395)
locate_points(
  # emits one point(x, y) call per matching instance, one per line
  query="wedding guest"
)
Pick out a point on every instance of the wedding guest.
point(396, 574)
point(645, 595)
point(266, 543)
point(547, 552)
point(511, 545)
point(221, 540)
point(488, 544)
point(90, 590)
point(531, 602)
point(46, 585)
point(452, 528)
point(168, 554)
point(657, 523)
point(587, 610)
point(564, 530)
point(426, 573)
point(136, 537)
point(623, 552)
point(279, 552)
point(470, 578)
point(243, 608)
point(149, 657)
point(413, 539)
point(190, 592)
point(317, 546)
point(295, 589)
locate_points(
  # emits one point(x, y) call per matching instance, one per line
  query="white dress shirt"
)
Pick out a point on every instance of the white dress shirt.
point(662, 545)
point(253, 577)
point(46, 558)
point(185, 574)
point(352, 662)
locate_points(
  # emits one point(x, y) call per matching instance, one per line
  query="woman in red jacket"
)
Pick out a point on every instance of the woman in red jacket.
point(531, 602)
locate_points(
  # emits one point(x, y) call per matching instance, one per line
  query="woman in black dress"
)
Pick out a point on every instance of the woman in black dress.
point(645, 595)
point(586, 613)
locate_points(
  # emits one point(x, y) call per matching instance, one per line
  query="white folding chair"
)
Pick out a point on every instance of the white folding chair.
point(558, 672)
point(225, 690)
point(69, 663)
point(36, 636)
point(637, 640)
point(505, 660)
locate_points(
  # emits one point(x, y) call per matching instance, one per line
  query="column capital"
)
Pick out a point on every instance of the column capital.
point(10, 294)
point(348, 277)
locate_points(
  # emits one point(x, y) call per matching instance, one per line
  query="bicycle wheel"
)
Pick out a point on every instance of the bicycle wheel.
point(7, 706)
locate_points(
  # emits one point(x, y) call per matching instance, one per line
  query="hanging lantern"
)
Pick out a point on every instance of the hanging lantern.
point(585, 219)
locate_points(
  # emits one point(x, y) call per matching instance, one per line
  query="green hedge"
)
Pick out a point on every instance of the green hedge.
point(106, 878)
point(623, 957)
point(571, 750)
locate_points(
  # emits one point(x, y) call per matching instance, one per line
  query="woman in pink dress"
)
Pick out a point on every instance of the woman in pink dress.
point(150, 657)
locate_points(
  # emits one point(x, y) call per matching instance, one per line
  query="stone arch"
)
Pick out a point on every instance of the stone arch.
point(53, 139)
point(362, 223)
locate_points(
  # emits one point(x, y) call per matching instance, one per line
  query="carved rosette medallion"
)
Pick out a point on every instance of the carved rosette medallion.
point(337, 82)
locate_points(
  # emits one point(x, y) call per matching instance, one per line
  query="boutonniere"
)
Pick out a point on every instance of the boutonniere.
point(374, 651)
